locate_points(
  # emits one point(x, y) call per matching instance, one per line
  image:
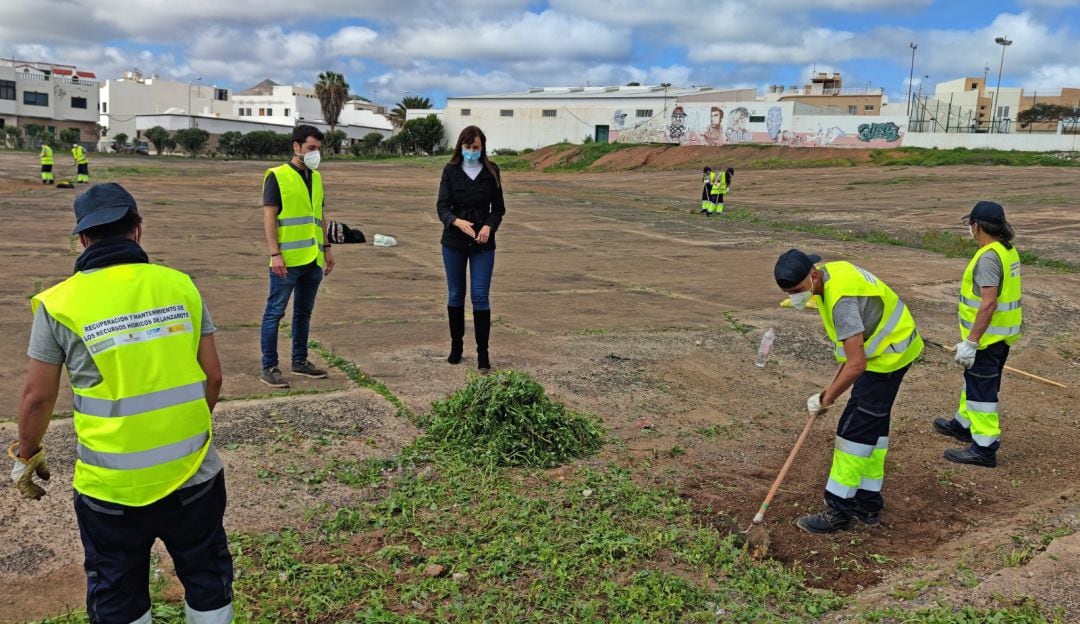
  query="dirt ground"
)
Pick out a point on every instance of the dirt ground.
point(624, 302)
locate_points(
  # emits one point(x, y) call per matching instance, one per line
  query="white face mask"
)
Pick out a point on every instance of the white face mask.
point(971, 230)
point(312, 159)
point(799, 300)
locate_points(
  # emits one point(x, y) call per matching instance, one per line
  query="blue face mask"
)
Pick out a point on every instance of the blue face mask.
point(470, 155)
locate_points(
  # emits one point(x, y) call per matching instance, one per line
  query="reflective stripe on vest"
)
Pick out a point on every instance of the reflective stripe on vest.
point(300, 224)
point(895, 342)
point(1007, 320)
point(145, 428)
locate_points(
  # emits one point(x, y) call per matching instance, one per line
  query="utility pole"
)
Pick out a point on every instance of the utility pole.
point(190, 118)
point(665, 85)
point(1004, 43)
point(911, 75)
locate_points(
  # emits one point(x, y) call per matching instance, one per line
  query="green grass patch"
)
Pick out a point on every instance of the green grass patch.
point(590, 153)
point(512, 163)
point(948, 244)
point(776, 162)
point(506, 419)
point(1024, 614)
point(923, 157)
point(362, 379)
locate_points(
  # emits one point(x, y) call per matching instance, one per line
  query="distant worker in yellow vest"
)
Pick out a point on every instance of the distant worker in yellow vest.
point(990, 318)
point(139, 350)
point(875, 340)
point(78, 152)
point(46, 155)
point(721, 184)
point(707, 180)
point(300, 255)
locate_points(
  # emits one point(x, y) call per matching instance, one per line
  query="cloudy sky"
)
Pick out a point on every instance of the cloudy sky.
point(387, 48)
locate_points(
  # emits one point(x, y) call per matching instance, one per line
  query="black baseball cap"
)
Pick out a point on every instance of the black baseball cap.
point(792, 267)
point(102, 204)
point(987, 212)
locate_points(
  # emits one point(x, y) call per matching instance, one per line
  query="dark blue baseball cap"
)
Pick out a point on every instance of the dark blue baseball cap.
point(987, 212)
point(792, 267)
point(101, 204)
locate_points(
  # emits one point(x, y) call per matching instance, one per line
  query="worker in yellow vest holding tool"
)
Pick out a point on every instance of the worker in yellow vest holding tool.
point(875, 340)
point(990, 318)
point(46, 156)
point(78, 152)
point(138, 346)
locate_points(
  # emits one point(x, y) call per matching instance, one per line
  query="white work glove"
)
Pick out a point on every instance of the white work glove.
point(965, 353)
point(813, 404)
point(23, 471)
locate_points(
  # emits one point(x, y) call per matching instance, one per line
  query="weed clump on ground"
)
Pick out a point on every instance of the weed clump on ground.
point(506, 419)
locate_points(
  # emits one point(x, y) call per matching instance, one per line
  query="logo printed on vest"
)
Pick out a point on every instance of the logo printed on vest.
point(138, 320)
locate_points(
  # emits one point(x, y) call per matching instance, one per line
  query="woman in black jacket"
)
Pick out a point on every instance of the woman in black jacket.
point(471, 208)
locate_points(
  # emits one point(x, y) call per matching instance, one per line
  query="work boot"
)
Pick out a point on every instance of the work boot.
point(950, 427)
point(969, 456)
point(828, 520)
point(869, 518)
point(307, 369)
point(482, 327)
point(272, 377)
point(456, 314)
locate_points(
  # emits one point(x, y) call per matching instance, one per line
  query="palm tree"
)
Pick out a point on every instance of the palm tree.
point(332, 91)
point(397, 115)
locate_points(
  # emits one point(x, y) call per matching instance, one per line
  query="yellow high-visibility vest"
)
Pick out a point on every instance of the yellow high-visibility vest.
point(79, 154)
point(46, 155)
point(145, 429)
point(719, 183)
point(1008, 317)
point(895, 342)
point(300, 222)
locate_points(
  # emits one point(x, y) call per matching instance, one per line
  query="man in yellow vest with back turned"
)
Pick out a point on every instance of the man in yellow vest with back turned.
point(990, 318)
point(138, 346)
point(82, 164)
point(46, 155)
point(300, 255)
point(875, 340)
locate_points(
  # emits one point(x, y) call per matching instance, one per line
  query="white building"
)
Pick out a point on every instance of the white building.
point(973, 102)
point(543, 116)
point(132, 95)
point(270, 102)
point(55, 96)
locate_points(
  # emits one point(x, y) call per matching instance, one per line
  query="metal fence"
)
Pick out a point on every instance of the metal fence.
point(931, 115)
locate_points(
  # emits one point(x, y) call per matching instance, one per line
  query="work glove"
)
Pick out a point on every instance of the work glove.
point(23, 471)
point(813, 404)
point(965, 353)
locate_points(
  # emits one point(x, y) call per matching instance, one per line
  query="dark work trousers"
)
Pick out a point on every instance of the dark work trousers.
point(862, 441)
point(117, 539)
point(978, 411)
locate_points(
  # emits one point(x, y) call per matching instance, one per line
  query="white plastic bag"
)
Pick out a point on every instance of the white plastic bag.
point(384, 241)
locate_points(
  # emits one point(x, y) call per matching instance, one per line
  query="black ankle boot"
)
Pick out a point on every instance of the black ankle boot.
point(482, 327)
point(456, 314)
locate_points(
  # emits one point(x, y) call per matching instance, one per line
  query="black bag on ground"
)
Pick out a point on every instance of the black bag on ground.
point(340, 233)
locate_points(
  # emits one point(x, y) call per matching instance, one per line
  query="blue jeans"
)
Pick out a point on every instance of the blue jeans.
point(481, 263)
point(305, 281)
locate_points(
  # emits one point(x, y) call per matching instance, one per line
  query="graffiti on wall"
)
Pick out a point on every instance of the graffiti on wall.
point(728, 123)
point(884, 131)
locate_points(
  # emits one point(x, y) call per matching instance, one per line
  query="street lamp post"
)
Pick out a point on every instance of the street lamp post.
point(911, 74)
point(665, 85)
point(190, 118)
point(1004, 43)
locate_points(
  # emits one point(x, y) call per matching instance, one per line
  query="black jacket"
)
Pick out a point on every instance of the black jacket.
point(478, 201)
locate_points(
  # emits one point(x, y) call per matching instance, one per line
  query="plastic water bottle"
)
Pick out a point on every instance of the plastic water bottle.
point(766, 346)
point(384, 241)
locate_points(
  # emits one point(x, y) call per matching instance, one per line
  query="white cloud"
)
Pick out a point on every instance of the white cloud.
point(351, 41)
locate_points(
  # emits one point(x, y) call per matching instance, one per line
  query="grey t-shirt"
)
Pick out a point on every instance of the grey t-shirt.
point(988, 272)
point(52, 343)
point(855, 315)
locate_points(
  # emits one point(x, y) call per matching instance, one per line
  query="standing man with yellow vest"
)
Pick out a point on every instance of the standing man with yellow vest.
point(300, 255)
point(990, 319)
point(138, 346)
point(721, 184)
point(46, 164)
point(78, 152)
point(875, 340)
